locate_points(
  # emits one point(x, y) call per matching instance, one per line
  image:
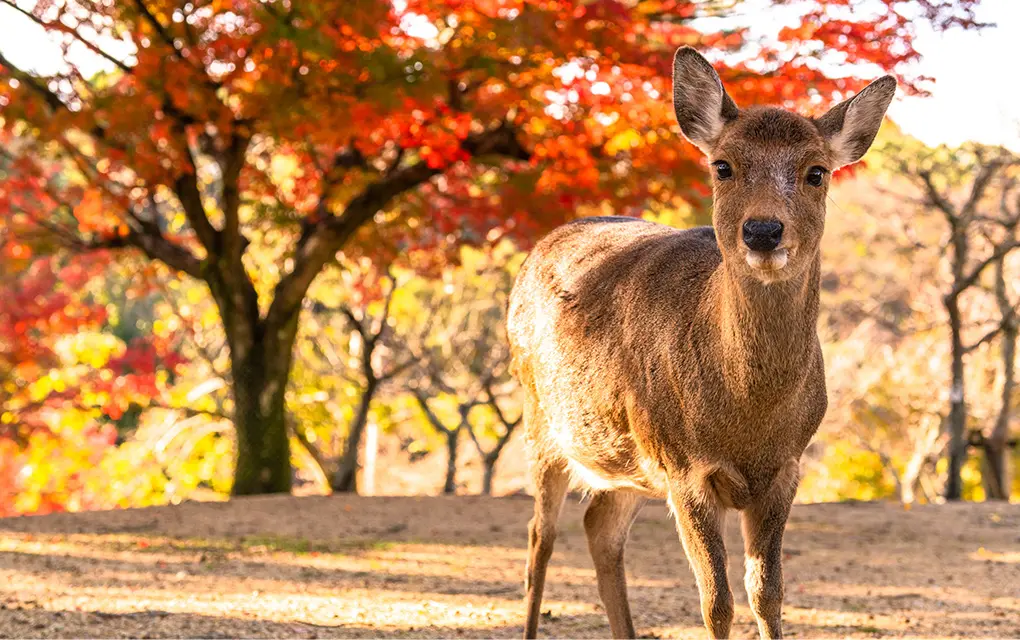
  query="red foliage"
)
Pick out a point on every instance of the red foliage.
point(372, 80)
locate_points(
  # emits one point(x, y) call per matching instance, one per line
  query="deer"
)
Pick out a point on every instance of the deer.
point(686, 364)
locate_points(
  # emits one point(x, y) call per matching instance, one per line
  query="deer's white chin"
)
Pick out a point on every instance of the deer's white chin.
point(767, 260)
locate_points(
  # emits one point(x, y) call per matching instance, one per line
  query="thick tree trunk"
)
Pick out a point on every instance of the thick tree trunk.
point(263, 448)
point(957, 407)
point(260, 359)
point(345, 480)
point(452, 439)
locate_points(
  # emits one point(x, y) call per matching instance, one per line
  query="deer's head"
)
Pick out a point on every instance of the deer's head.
point(771, 167)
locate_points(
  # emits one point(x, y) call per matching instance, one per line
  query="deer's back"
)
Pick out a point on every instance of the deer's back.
point(610, 326)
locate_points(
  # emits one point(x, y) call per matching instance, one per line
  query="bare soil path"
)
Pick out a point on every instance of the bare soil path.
point(325, 567)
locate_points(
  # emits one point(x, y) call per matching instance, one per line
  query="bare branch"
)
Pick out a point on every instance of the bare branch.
point(188, 411)
point(63, 28)
point(396, 370)
point(1000, 251)
point(355, 322)
point(433, 419)
point(387, 304)
point(937, 200)
point(990, 335)
point(981, 181)
point(186, 188)
point(313, 452)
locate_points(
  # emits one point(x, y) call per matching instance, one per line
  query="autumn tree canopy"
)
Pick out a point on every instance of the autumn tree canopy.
point(191, 131)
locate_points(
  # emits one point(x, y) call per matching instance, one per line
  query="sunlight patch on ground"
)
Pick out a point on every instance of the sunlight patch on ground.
point(852, 571)
point(987, 555)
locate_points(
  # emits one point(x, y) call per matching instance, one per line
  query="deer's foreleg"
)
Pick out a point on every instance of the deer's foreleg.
point(764, 523)
point(699, 518)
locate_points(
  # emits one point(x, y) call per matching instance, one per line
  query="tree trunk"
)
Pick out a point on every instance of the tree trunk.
point(996, 478)
point(997, 482)
point(263, 448)
point(957, 407)
point(345, 480)
point(489, 464)
point(260, 359)
point(452, 438)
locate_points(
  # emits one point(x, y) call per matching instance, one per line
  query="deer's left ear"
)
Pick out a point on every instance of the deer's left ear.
point(851, 126)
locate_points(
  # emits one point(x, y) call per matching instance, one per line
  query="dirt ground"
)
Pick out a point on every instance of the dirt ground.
point(324, 567)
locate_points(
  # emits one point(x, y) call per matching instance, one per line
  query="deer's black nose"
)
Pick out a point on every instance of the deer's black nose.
point(762, 235)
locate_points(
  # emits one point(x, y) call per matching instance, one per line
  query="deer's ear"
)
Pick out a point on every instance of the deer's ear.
point(851, 126)
point(702, 105)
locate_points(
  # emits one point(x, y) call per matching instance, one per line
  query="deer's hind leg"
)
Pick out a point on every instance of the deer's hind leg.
point(607, 523)
point(551, 482)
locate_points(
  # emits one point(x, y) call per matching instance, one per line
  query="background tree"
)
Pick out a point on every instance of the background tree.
point(306, 126)
point(941, 174)
point(995, 473)
point(468, 359)
point(372, 358)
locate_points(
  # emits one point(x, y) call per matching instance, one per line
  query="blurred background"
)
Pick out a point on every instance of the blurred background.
point(260, 246)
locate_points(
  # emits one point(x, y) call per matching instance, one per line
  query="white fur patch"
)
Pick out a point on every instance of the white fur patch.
point(772, 260)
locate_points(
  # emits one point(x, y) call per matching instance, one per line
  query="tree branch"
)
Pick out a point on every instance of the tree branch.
point(355, 323)
point(313, 452)
point(972, 277)
point(155, 247)
point(318, 247)
point(433, 419)
point(187, 191)
point(51, 99)
point(996, 330)
point(188, 411)
point(233, 162)
point(398, 369)
point(937, 200)
point(63, 28)
point(387, 304)
point(980, 185)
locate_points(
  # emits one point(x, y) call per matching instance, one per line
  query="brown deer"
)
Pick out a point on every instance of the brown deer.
point(686, 364)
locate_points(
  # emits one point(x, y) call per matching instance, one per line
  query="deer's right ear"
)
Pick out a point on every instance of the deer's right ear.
point(701, 103)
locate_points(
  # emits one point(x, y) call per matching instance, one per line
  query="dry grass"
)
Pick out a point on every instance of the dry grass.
point(428, 567)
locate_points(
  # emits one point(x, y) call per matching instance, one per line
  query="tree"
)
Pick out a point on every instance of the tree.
point(995, 473)
point(450, 432)
point(319, 127)
point(466, 361)
point(939, 174)
point(373, 358)
point(73, 381)
point(491, 455)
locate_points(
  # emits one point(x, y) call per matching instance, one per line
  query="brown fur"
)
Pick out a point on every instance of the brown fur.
point(658, 362)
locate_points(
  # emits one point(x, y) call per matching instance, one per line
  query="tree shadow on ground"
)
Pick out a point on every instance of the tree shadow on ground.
point(851, 570)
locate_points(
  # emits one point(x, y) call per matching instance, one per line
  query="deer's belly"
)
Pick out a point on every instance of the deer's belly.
point(606, 463)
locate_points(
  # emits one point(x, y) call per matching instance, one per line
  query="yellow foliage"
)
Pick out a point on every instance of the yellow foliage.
point(624, 141)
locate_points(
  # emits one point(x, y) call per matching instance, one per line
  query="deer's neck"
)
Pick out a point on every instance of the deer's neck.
point(767, 332)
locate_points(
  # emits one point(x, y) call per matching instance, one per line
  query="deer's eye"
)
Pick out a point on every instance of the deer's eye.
point(815, 175)
point(723, 170)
